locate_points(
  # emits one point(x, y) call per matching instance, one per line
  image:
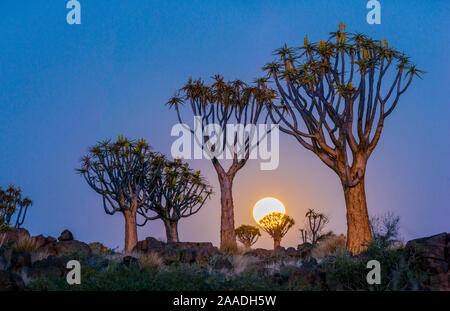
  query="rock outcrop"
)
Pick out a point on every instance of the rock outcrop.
point(433, 254)
point(186, 252)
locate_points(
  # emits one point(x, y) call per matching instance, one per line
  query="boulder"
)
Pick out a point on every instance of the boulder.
point(10, 282)
point(188, 255)
point(259, 252)
point(432, 253)
point(40, 240)
point(50, 239)
point(148, 244)
point(14, 234)
point(440, 282)
point(66, 235)
point(73, 247)
point(430, 247)
point(187, 252)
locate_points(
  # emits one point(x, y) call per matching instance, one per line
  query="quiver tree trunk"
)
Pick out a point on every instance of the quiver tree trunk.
point(276, 241)
point(358, 225)
point(171, 230)
point(227, 233)
point(130, 230)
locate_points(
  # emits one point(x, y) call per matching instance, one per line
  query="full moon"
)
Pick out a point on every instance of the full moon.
point(267, 206)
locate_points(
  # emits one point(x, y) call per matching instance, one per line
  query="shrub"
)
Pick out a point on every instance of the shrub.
point(99, 249)
point(329, 246)
point(241, 263)
point(149, 262)
point(398, 269)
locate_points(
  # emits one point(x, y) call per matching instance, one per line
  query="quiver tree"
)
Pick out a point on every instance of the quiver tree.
point(225, 104)
point(177, 192)
point(334, 98)
point(276, 225)
point(119, 171)
point(315, 222)
point(247, 235)
point(12, 203)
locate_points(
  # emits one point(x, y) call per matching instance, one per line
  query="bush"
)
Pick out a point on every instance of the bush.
point(398, 270)
point(329, 246)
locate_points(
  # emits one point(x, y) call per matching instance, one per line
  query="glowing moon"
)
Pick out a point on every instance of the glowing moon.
point(267, 206)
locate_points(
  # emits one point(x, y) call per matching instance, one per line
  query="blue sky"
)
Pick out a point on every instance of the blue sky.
point(64, 87)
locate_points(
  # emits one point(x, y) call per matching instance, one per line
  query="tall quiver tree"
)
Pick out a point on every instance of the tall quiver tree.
point(225, 103)
point(177, 192)
point(118, 171)
point(335, 96)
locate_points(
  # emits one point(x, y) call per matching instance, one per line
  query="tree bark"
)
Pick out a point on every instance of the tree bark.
point(171, 230)
point(276, 242)
point(358, 225)
point(227, 233)
point(130, 230)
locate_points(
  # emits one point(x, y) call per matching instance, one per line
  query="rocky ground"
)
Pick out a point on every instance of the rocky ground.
point(25, 259)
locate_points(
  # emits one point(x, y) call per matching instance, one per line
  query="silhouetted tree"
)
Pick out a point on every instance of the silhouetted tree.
point(119, 171)
point(335, 97)
point(247, 235)
point(224, 103)
point(315, 222)
point(276, 225)
point(177, 192)
point(12, 203)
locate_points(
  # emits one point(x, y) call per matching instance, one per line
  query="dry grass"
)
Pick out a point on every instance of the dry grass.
point(241, 263)
point(147, 261)
point(229, 248)
point(232, 249)
point(25, 244)
point(151, 261)
point(329, 246)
